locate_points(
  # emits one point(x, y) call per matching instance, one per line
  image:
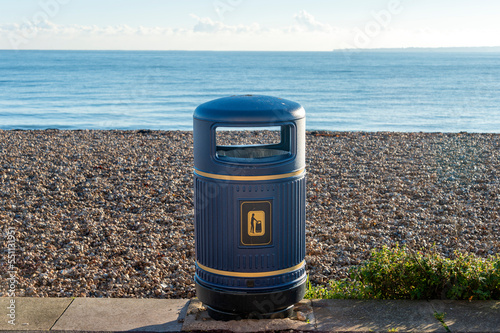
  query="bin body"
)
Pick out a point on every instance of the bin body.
point(249, 208)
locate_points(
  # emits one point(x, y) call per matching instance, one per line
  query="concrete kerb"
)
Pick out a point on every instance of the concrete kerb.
point(465, 316)
point(123, 314)
point(29, 314)
point(375, 316)
point(174, 315)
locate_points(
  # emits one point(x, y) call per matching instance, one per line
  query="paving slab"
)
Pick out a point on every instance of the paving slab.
point(31, 313)
point(123, 314)
point(465, 316)
point(197, 319)
point(375, 315)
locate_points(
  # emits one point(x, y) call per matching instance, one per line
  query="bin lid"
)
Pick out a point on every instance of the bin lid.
point(249, 109)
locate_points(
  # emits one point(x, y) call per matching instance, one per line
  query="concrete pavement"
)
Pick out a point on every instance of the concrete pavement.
point(176, 315)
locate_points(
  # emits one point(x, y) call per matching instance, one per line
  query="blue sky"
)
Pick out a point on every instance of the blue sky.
point(302, 25)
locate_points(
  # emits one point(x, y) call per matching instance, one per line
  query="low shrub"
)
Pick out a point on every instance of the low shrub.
point(401, 273)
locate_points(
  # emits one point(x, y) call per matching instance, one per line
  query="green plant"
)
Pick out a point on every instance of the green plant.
point(400, 273)
point(440, 317)
point(336, 289)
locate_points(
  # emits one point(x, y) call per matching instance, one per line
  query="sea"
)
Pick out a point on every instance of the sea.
point(348, 90)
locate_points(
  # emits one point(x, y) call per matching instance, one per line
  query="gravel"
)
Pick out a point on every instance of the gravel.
point(110, 213)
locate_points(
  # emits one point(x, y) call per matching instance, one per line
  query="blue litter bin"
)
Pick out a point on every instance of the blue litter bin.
point(249, 188)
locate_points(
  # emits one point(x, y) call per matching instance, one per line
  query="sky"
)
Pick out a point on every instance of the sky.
point(255, 25)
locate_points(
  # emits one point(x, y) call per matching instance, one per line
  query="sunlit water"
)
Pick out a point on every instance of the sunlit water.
point(368, 91)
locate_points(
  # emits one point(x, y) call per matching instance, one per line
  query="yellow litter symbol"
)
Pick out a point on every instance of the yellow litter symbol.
point(256, 223)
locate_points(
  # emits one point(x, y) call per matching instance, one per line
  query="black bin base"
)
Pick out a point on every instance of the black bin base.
point(225, 316)
point(230, 305)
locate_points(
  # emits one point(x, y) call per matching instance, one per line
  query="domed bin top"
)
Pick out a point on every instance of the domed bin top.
point(246, 109)
point(249, 135)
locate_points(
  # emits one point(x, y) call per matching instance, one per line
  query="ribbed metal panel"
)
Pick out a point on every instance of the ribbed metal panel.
point(217, 225)
point(215, 230)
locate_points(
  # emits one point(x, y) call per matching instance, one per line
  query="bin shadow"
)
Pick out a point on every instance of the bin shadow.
point(170, 326)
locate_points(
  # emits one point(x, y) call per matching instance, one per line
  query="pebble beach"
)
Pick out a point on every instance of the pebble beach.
point(110, 213)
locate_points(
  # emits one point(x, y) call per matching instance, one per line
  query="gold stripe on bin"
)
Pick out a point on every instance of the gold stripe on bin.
point(249, 274)
point(248, 178)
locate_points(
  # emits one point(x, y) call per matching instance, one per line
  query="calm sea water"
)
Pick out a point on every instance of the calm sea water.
point(368, 91)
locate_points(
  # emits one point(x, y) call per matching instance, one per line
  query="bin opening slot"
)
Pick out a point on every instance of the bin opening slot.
point(253, 144)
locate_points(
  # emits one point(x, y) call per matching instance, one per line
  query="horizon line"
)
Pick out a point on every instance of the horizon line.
point(409, 48)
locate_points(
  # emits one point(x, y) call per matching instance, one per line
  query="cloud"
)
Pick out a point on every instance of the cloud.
point(304, 22)
point(205, 33)
point(202, 25)
point(30, 29)
point(308, 21)
point(207, 25)
point(304, 32)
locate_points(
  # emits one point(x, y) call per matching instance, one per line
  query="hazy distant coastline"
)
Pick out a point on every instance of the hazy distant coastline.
point(426, 49)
